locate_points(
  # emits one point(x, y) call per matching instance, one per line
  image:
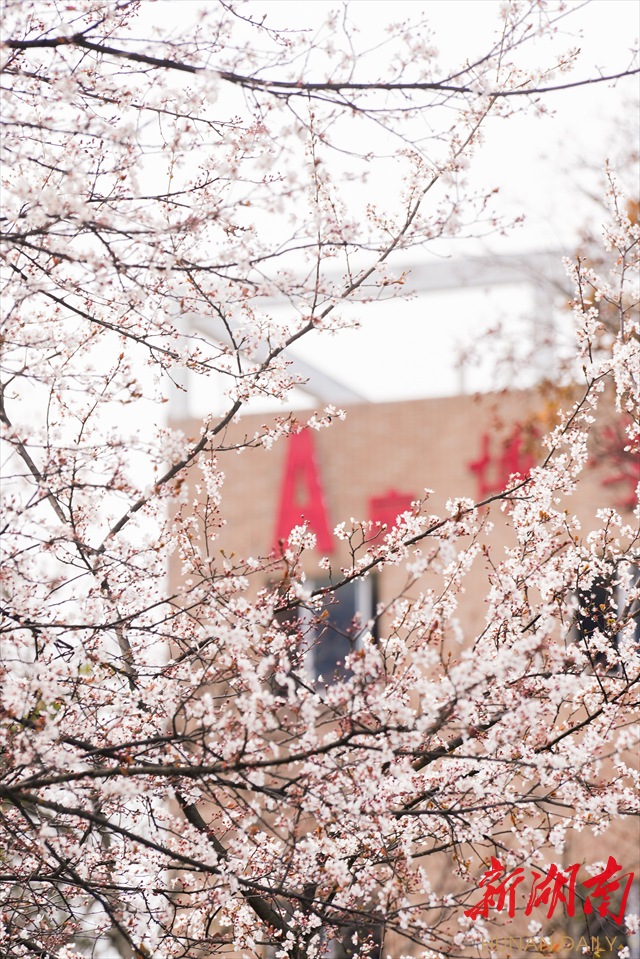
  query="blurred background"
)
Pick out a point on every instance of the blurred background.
point(489, 312)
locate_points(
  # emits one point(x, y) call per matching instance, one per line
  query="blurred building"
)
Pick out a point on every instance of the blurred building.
point(378, 462)
point(374, 466)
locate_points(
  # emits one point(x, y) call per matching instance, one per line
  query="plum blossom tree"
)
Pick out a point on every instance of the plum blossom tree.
point(173, 783)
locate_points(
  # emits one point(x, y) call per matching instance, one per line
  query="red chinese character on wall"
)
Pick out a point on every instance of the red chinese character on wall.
point(385, 509)
point(493, 472)
point(301, 493)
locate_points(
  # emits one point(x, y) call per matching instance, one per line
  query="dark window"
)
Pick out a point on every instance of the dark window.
point(337, 627)
point(600, 608)
point(328, 633)
point(595, 609)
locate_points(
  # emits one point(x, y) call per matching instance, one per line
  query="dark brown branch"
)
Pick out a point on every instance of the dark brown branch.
point(292, 87)
point(259, 905)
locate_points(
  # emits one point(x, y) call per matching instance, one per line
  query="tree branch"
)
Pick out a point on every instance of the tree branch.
point(293, 87)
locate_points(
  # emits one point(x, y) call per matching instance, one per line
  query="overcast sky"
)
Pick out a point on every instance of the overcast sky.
point(542, 167)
